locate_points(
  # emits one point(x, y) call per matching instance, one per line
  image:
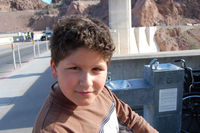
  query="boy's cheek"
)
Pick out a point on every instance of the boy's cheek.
point(101, 80)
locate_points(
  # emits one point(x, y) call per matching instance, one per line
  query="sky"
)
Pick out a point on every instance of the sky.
point(47, 1)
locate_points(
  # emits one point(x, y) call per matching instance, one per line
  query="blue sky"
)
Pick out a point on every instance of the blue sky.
point(47, 1)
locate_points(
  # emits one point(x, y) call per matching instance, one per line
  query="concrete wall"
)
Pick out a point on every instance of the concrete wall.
point(6, 40)
point(130, 40)
point(135, 40)
point(139, 39)
point(132, 66)
point(120, 20)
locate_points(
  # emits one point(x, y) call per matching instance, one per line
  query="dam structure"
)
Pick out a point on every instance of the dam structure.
point(128, 39)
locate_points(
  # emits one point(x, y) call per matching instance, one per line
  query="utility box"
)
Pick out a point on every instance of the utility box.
point(165, 112)
point(159, 93)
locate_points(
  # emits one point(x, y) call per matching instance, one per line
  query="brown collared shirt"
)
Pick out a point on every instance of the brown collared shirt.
point(104, 115)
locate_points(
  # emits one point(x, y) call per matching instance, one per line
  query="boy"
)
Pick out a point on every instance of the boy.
point(79, 102)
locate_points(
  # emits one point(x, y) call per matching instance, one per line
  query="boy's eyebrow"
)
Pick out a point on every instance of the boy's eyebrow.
point(99, 64)
point(68, 63)
point(71, 64)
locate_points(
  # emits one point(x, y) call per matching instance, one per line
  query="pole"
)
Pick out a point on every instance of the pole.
point(38, 46)
point(118, 41)
point(46, 44)
point(13, 53)
point(20, 62)
point(34, 49)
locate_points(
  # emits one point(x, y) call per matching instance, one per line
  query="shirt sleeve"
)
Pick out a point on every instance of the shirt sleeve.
point(132, 120)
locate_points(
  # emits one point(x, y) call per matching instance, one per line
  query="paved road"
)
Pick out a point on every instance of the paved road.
point(26, 52)
point(23, 93)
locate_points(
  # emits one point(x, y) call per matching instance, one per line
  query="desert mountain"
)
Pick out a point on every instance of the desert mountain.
point(34, 15)
point(144, 12)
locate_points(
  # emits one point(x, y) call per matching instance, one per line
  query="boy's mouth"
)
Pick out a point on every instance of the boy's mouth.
point(87, 93)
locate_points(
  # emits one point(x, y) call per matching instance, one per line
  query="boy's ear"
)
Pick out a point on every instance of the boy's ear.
point(53, 69)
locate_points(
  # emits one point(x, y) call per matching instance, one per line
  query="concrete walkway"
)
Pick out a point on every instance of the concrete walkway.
point(22, 95)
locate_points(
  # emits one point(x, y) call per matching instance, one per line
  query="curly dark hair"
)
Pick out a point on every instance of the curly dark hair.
point(74, 32)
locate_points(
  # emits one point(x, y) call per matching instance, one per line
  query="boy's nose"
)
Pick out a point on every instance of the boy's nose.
point(86, 80)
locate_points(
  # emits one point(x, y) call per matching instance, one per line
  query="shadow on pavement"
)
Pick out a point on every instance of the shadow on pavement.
point(7, 100)
point(24, 75)
point(26, 107)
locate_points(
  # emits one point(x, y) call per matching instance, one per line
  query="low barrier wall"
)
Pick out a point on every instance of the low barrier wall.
point(132, 66)
point(6, 40)
point(10, 38)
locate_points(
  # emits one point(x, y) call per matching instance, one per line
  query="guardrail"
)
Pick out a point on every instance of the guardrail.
point(36, 51)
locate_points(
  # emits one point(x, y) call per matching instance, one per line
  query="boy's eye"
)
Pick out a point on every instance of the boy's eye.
point(74, 68)
point(96, 69)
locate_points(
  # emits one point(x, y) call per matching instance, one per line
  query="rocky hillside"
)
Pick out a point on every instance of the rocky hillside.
point(144, 12)
point(19, 5)
point(178, 38)
point(28, 15)
point(165, 12)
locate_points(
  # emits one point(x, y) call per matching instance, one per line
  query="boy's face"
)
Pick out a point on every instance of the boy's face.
point(81, 76)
